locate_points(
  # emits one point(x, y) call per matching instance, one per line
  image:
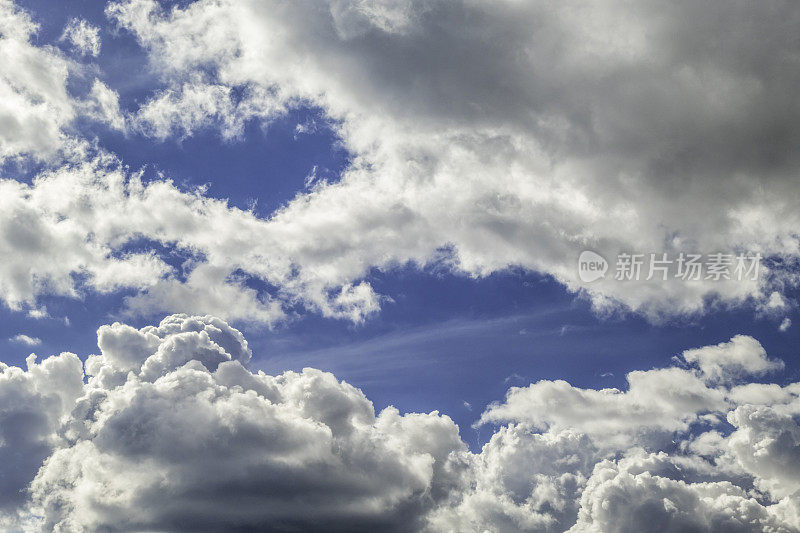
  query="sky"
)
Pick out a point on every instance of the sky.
point(325, 256)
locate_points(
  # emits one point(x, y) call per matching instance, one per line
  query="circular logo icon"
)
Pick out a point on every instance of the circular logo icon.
point(591, 266)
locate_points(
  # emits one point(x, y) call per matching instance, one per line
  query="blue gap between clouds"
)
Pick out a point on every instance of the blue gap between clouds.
point(264, 170)
point(450, 339)
point(267, 167)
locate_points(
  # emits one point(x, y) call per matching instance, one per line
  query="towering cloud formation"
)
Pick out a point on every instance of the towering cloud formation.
point(172, 431)
point(172, 410)
point(33, 404)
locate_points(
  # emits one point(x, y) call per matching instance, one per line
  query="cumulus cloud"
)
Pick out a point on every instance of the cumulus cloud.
point(657, 403)
point(37, 224)
point(521, 481)
point(26, 339)
point(34, 103)
point(173, 410)
point(102, 222)
point(38, 105)
point(186, 109)
point(701, 445)
point(626, 496)
point(741, 356)
point(167, 428)
point(767, 444)
point(32, 405)
point(546, 128)
point(103, 105)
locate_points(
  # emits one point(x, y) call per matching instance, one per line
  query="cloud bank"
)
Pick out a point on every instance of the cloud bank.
point(167, 428)
point(545, 128)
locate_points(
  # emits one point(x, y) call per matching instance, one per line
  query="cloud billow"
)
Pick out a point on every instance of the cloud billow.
point(171, 430)
point(547, 129)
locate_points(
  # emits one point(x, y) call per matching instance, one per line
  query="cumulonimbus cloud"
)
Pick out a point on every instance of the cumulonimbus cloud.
point(167, 428)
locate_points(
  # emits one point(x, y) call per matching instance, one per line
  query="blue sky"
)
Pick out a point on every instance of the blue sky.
point(506, 329)
point(387, 200)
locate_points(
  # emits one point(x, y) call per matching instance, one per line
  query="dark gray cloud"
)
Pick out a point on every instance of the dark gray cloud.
point(32, 403)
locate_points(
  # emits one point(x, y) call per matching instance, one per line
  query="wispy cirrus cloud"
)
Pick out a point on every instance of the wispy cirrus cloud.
point(84, 37)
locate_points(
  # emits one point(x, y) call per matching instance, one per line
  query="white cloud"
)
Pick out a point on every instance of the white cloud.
point(39, 222)
point(544, 129)
point(32, 404)
point(37, 105)
point(727, 361)
point(606, 128)
point(528, 179)
point(171, 431)
point(196, 105)
point(25, 339)
point(83, 36)
point(521, 481)
point(679, 471)
point(172, 410)
point(767, 445)
point(657, 403)
point(621, 478)
point(103, 106)
point(626, 496)
point(34, 104)
point(87, 213)
point(38, 313)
